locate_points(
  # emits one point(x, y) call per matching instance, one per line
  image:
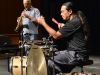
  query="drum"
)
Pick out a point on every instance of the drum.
point(29, 43)
point(76, 73)
point(36, 63)
point(45, 49)
point(48, 50)
point(15, 65)
point(34, 42)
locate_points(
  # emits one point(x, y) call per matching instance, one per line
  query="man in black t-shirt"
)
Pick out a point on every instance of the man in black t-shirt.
point(76, 33)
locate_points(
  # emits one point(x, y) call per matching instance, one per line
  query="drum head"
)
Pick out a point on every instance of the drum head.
point(36, 63)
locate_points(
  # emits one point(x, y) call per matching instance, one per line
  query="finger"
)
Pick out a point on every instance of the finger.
point(62, 25)
point(41, 17)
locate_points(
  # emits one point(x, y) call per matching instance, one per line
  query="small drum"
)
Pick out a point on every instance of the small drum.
point(37, 42)
point(34, 42)
point(36, 63)
point(48, 50)
point(15, 65)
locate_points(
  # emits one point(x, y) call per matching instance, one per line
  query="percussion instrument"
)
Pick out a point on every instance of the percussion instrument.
point(48, 49)
point(76, 73)
point(44, 44)
point(38, 42)
point(36, 63)
point(34, 42)
point(15, 65)
point(29, 43)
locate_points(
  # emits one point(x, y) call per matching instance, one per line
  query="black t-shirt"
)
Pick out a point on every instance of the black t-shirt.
point(73, 31)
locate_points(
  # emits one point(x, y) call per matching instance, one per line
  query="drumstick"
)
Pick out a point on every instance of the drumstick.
point(55, 21)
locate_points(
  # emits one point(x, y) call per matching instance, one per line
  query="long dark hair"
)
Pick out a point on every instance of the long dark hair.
point(85, 24)
point(70, 5)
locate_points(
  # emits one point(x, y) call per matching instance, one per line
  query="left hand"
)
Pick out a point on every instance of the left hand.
point(60, 25)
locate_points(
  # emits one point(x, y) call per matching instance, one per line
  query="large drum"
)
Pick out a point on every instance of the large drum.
point(36, 63)
point(33, 64)
point(15, 65)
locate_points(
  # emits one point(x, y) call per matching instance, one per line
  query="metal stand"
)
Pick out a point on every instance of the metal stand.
point(53, 60)
point(49, 43)
point(22, 46)
point(53, 52)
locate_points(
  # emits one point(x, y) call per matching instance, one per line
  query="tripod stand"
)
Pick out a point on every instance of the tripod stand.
point(52, 51)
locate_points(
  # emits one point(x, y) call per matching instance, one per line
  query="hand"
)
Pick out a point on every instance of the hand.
point(60, 25)
point(41, 20)
point(24, 15)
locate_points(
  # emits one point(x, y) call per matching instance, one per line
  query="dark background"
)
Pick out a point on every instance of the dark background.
point(11, 9)
point(90, 8)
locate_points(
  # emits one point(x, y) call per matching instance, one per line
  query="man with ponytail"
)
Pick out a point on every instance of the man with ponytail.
point(76, 32)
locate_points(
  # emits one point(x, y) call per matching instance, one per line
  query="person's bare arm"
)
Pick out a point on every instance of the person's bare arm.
point(51, 31)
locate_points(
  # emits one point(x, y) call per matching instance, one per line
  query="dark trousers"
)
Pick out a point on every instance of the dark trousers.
point(60, 63)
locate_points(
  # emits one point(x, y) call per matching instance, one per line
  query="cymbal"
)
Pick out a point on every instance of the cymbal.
point(36, 63)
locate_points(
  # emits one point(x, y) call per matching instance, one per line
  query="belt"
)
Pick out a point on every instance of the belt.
point(26, 26)
point(27, 34)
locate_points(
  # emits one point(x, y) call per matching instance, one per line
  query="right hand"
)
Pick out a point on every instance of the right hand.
point(41, 20)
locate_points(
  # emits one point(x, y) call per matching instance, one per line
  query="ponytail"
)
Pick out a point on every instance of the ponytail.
point(85, 24)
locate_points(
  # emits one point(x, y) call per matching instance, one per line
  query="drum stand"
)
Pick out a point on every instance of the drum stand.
point(22, 46)
point(53, 52)
point(53, 60)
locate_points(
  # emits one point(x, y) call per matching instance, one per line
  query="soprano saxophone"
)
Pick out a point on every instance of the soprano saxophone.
point(18, 23)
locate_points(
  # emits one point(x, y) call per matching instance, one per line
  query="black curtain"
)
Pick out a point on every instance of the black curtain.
point(91, 9)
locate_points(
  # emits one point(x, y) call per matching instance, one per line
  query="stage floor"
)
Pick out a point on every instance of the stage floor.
point(93, 69)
